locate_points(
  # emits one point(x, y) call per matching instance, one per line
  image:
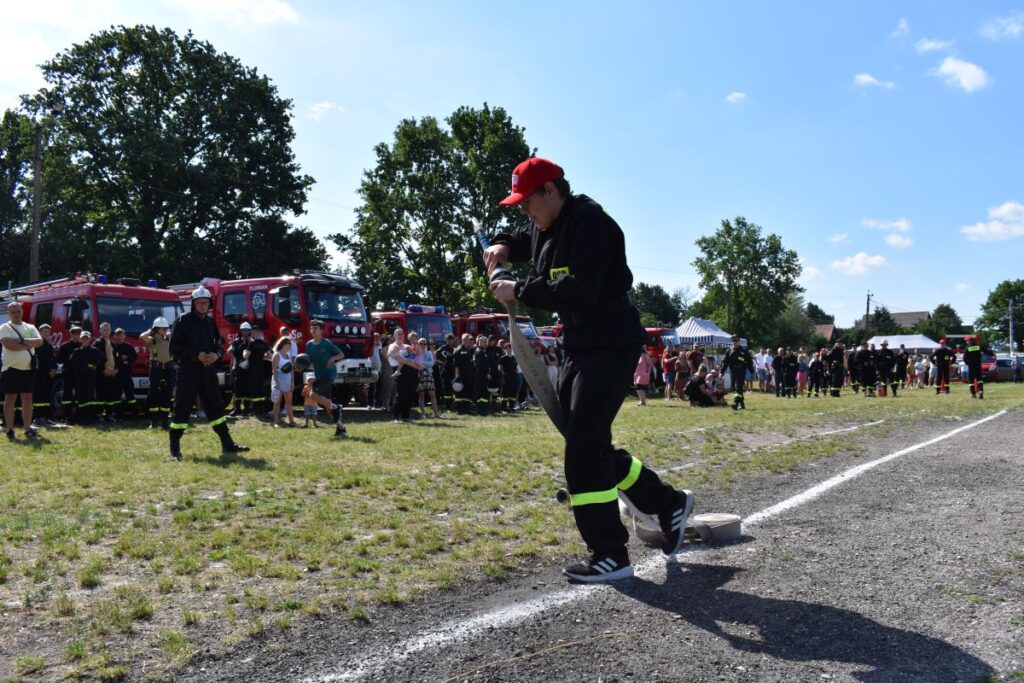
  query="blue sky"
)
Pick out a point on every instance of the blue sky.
point(882, 141)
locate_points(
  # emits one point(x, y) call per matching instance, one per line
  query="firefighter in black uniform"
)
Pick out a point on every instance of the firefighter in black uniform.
point(243, 364)
point(465, 375)
point(886, 360)
point(63, 360)
point(481, 376)
point(158, 401)
point(578, 258)
point(196, 347)
point(739, 361)
point(42, 388)
point(853, 369)
point(778, 376)
point(493, 370)
point(108, 390)
point(834, 361)
point(972, 357)
point(790, 369)
point(509, 378)
point(865, 360)
point(815, 375)
point(445, 357)
point(83, 369)
point(124, 359)
point(941, 359)
point(902, 361)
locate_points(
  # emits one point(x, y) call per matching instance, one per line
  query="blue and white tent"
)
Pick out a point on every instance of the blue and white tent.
point(704, 332)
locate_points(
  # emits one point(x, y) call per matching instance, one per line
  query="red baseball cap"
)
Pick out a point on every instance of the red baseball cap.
point(530, 176)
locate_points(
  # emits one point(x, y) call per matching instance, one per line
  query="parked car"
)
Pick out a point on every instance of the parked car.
point(1000, 371)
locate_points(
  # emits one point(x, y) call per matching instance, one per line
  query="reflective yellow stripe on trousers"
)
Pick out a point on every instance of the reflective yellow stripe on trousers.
point(608, 496)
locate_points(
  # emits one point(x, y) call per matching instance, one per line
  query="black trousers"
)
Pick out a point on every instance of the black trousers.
point(974, 378)
point(197, 381)
point(127, 395)
point(85, 397)
point(407, 379)
point(108, 393)
point(158, 401)
point(867, 378)
point(815, 383)
point(738, 376)
point(835, 375)
point(942, 378)
point(464, 399)
point(592, 385)
point(41, 392)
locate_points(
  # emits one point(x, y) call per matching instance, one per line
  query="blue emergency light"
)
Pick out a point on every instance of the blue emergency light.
point(151, 283)
point(401, 305)
point(101, 278)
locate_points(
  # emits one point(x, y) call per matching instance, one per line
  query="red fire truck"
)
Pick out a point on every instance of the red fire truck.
point(87, 301)
point(291, 302)
point(430, 322)
point(485, 321)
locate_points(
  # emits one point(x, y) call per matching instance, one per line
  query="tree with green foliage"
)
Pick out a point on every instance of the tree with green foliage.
point(944, 320)
point(168, 159)
point(818, 315)
point(413, 237)
point(657, 307)
point(792, 327)
point(16, 150)
point(882, 322)
point(747, 277)
point(994, 321)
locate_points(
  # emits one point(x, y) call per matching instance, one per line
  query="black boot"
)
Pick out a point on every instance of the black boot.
point(227, 444)
point(175, 435)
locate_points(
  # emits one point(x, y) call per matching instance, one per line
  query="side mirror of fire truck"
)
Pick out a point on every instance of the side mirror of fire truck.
point(282, 302)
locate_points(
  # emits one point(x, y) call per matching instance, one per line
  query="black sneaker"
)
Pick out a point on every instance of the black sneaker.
point(175, 455)
point(234, 448)
point(601, 567)
point(31, 433)
point(10, 434)
point(673, 523)
point(340, 430)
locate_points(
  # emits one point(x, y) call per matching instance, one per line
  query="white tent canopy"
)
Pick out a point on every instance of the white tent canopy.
point(913, 342)
point(700, 331)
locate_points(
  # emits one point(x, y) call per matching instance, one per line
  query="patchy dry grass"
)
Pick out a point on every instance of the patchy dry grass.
point(126, 554)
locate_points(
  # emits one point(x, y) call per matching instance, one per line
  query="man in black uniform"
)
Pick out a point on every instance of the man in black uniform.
point(972, 357)
point(886, 360)
point(67, 379)
point(815, 375)
point(790, 369)
point(739, 361)
point(124, 359)
point(578, 258)
point(42, 388)
point(853, 369)
point(465, 375)
point(509, 378)
point(834, 361)
point(445, 357)
point(902, 361)
point(865, 360)
point(82, 369)
point(242, 367)
point(941, 359)
point(777, 372)
point(196, 347)
point(481, 376)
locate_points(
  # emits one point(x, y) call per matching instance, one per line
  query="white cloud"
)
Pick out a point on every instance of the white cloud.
point(1004, 27)
point(962, 288)
point(735, 97)
point(859, 264)
point(838, 238)
point(265, 12)
point(899, 225)
point(320, 110)
point(902, 29)
point(1006, 222)
point(898, 241)
point(867, 80)
point(929, 45)
point(960, 74)
point(811, 274)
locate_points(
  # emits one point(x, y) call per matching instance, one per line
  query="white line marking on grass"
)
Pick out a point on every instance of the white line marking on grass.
point(454, 632)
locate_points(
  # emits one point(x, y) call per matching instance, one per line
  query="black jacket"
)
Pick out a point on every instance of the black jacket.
point(193, 335)
point(65, 351)
point(45, 360)
point(85, 361)
point(124, 357)
point(579, 270)
point(736, 358)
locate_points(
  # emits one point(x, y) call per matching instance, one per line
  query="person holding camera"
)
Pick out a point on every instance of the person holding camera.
point(578, 258)
point(158, 400)
point(20, 341)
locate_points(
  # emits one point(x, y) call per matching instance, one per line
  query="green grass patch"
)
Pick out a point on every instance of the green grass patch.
point(28, 664)
point(373, 521)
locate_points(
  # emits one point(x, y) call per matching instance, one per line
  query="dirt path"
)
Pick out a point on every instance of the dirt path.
point(914, 571)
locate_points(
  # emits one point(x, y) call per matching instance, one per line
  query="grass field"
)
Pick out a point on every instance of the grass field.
point(112, 555)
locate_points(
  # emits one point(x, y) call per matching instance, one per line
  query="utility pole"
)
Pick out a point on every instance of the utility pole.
point(867, 315)
point(1013, 303)
point(37, 191)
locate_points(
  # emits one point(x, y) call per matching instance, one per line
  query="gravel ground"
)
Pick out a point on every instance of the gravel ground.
point(912, 572)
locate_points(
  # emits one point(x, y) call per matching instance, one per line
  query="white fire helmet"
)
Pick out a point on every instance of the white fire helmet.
point(245, 326)
point(201, 293)
point(161, 322)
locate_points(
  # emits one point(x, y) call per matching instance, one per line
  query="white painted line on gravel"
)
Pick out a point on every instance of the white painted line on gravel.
point(454, 632)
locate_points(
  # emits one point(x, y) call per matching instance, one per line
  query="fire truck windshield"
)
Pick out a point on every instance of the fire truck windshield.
point(525, 326)
point(135, 315)
point(333, 304)
point(431, 326)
